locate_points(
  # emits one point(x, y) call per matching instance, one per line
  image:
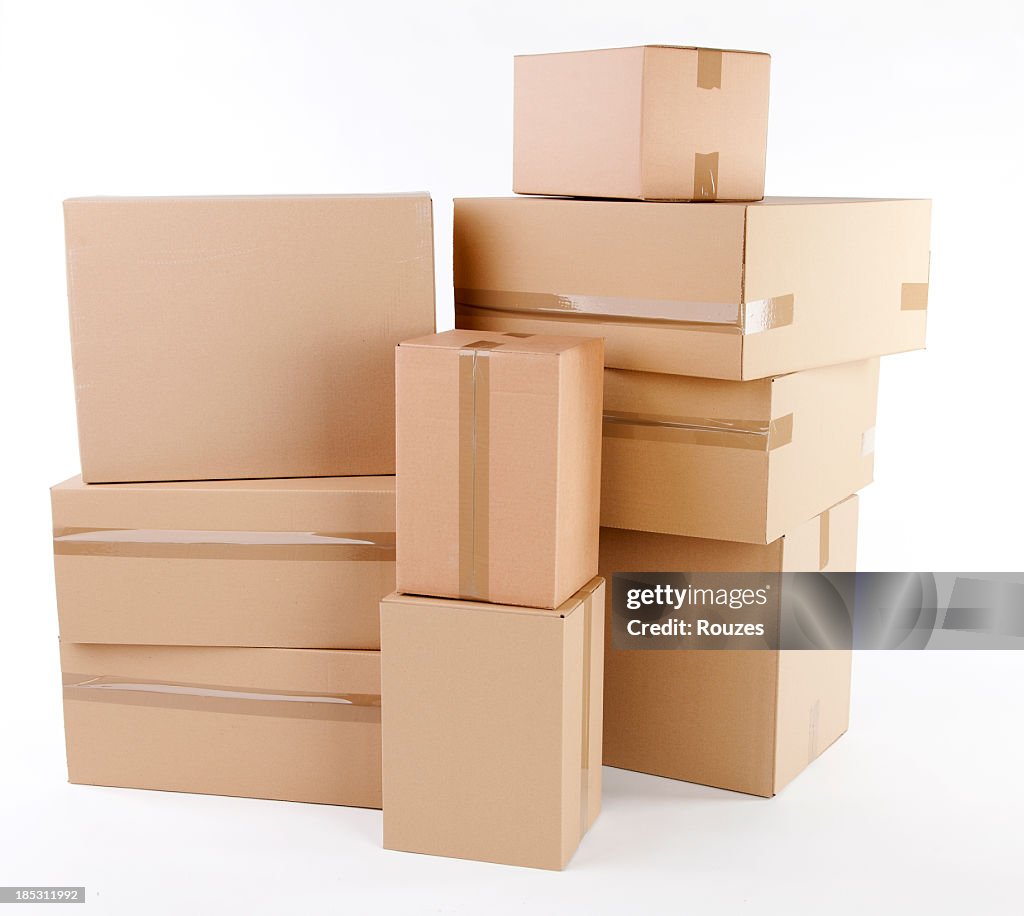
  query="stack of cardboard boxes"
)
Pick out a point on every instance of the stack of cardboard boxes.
point(218, 574)
point(741, 340)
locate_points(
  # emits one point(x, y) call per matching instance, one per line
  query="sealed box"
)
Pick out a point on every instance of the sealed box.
point(231, 337)
point(654, 122)
point(735, 461)
point(492, 729)
point(292, 724)
point(747, 720)
point(297, 563)
point(733, 291)
point(499, 459)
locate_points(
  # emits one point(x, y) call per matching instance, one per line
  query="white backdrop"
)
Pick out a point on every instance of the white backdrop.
point(868, 99)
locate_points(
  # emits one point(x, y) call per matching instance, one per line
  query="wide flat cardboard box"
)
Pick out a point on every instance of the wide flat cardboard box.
point(749, 720)
point(733, 291)
point(293, 724)
point(492, 728)
point(736, 461)
point(297, 563)
point(499, 454)
point(231, 337)
point(653, 122)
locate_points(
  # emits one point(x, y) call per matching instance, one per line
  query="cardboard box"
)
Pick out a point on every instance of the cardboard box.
point(733, 291)
point(655, 122)
point(751, 720)
point(492, 730)
point(282, 563)
point(293, 724)
point(499, 466)
point(231, 337)
point(736, 461)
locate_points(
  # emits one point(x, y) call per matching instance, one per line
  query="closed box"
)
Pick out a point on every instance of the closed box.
point(231, 337)
point(654, 122)
point(492, 728)
point(276, 563)
point(730, 291)
point(735, 461)
point(499, 458)
point(292, 724)
point(747, 720)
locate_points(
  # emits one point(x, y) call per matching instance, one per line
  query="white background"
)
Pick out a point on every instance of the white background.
point(919, 807)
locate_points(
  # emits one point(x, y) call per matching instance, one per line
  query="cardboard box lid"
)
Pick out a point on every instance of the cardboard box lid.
point(327, 504)
point(566, 608)
point(501, 342)
point(637, 47)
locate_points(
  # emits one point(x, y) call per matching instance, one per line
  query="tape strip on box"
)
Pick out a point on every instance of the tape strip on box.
point(756, 435)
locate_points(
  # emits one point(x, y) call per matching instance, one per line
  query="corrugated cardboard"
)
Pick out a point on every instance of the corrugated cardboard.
point(492, 727)
point(736, 461)
point(293, 724)
point(655, 122)
point(744, 720)
point(280, 563)
point(230, 337)
point(499, 466)
point(733, 291)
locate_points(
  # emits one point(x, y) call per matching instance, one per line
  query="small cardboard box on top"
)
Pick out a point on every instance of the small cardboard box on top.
point(292, 724)
point(747, 720)
point(234, 337)
point(654, 122)
point(299, 563)
point(735, 461)
point(731, 291)
point(492, 727)
point(499, 453)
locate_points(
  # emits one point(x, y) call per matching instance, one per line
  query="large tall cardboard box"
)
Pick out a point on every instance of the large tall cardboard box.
point(499, 454)
point(297, 563)
point(231, 337)
point(747, 720)
point(655, 122)
point(492, 727)
point(733, 291)
point(736, 461)
point(293, 724)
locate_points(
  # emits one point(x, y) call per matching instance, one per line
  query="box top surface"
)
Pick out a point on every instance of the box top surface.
point(563, 610)
point(638, 47)
point(719, 204)
point(142, 199)
point(500, 342)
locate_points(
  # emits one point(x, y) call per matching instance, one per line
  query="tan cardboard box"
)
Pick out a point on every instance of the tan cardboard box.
point(231, 337)
point(499, 466)
point(654, 122)
point(744, 720)
point(492, 729)
point(293, 724)
point(736, 461)
point(733, 291)
point(282, 563)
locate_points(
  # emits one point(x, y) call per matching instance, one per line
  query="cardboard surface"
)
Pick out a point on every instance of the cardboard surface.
point(734, 291)
point(652, 122)
point(232, 337)
point(752, 720)
point(737, 461)
point(293, 724)
point(492, 727)
point(499, 466)
point(274, 563)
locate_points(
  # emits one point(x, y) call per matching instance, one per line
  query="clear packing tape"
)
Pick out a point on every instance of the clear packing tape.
point(757, 435)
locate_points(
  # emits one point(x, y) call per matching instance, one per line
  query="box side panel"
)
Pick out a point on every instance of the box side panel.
point(575, 700)
point(594, 711)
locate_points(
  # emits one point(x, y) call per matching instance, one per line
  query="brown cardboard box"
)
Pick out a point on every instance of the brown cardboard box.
point(736, 461)
point(300, 562)
point(492, 729)
point(294, 724)
point(733, 291)
point(658, 122)
point(743, 720)
point(499, 466)
point(231, 337)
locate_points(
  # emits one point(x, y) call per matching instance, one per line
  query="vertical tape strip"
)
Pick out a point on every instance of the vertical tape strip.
point(588, 618)
point(709, 68)
point(705, 176)
point(474, 467)
point(824, 540)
